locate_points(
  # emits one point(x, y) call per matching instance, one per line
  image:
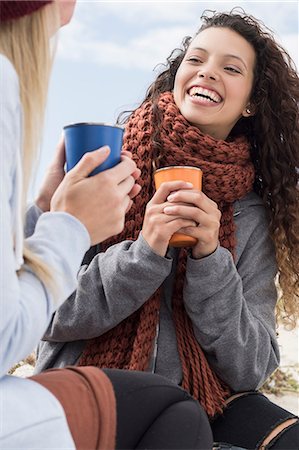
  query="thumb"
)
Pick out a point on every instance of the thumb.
point(90, 161)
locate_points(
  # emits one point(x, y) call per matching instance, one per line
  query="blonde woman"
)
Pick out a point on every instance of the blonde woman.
point(73, 407)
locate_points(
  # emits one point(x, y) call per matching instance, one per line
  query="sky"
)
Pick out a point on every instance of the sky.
point(108, 55)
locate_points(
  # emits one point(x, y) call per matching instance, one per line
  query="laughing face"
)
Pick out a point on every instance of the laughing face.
point(214, 81)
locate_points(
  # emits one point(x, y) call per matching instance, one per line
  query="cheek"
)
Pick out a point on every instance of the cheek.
point(177, 88)
point(245, 91)
point(176, 97)
point(66, 8)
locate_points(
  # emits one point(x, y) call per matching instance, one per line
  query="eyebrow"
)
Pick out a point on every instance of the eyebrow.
point(226, 56)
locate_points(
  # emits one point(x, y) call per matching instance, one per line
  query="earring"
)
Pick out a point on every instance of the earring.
point(247, 110)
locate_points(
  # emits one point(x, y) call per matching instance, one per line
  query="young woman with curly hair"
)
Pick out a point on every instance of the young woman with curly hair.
point(74, 407)
point(226, 102)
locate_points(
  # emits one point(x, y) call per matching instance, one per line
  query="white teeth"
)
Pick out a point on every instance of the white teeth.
point(196, 90)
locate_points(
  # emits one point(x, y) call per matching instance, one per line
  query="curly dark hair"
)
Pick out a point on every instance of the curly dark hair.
point(273, 133)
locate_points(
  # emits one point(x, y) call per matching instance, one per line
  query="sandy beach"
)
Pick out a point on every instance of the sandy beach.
point(289, 348)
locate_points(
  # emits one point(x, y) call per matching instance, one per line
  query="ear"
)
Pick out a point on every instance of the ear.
point(248, 111)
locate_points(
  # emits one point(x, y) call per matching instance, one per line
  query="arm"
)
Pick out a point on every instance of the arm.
point(25, 305)
point(114, 285)
point(118, 282)
point(80, 215)
point(232, 306)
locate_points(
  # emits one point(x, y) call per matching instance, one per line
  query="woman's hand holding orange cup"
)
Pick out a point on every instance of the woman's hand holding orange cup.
point(184, 173)
point(159, 227)
point(194, 205)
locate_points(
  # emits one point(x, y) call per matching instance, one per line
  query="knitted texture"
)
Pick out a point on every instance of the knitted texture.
point(228, 175)
point(15, 9)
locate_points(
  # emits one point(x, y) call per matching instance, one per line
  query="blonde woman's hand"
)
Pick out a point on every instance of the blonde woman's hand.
point(195, 205)
point(55, 174)
point(53, 177)
point(136, 174)
point(158, 227)
point(101, 201)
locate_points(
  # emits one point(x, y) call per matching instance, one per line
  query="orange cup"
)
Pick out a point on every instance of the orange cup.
point(180, 173)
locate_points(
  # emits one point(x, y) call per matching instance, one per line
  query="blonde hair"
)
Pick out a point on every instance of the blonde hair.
point(26, 43)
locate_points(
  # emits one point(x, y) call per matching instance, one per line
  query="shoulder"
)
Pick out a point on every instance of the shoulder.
point(250, 205)
point(9, 98)
point(252, 224)
point(10, 112)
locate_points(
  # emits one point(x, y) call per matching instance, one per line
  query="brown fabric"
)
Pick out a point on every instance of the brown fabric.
point(87, 397)
point(228, 175)
point(14, 9)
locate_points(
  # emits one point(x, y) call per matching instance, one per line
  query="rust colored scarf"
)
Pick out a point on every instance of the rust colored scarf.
point(228, 175)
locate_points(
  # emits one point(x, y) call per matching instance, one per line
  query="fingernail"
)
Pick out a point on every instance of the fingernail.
point(168, 209)
point(170, 197)
point(189, 184)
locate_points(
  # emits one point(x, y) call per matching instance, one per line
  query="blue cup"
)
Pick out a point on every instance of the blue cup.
point(86, 137)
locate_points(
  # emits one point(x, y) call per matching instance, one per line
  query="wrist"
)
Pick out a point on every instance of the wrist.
point(197, 254)
point(157, 247)
point(43, 203)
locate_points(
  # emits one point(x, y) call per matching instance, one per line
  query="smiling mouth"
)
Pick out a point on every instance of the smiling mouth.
point(199, 92)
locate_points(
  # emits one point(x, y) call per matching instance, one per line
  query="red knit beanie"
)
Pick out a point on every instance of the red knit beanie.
point(12, 9)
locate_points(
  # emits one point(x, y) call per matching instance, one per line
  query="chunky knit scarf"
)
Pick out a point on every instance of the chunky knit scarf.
point(228, 175)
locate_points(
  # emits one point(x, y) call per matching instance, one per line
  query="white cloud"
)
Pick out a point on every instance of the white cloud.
point(290, 42)
point(281, 17)
point(150, 45)
point(144, 12)
point(142, 52)
point(275, 14)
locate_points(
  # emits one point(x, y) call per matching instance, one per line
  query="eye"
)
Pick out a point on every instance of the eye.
point(194, 59)
point(232, 69)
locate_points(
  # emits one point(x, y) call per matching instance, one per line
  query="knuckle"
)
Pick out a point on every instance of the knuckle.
point(88, 156)
point(131, 165)
point(210, 235)
point(216, 224)
point(148, 206)
point(164, 184)
point(151, 210)
point(152, 221)
point(109, 180)
point(131, 181)
point(116, 200)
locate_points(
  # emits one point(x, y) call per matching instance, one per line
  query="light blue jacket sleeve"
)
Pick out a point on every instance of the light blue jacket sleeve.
point(59, 239)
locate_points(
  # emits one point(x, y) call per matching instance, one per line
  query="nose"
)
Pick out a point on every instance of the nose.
point(207, 72)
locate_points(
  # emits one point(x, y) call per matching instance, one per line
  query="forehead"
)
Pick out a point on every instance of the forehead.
point(223, 41)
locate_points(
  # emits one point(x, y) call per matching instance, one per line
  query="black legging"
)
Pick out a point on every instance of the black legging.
point(249, 419)
point(154, 413)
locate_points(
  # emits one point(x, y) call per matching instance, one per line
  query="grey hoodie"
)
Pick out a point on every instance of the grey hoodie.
point(231, 304)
